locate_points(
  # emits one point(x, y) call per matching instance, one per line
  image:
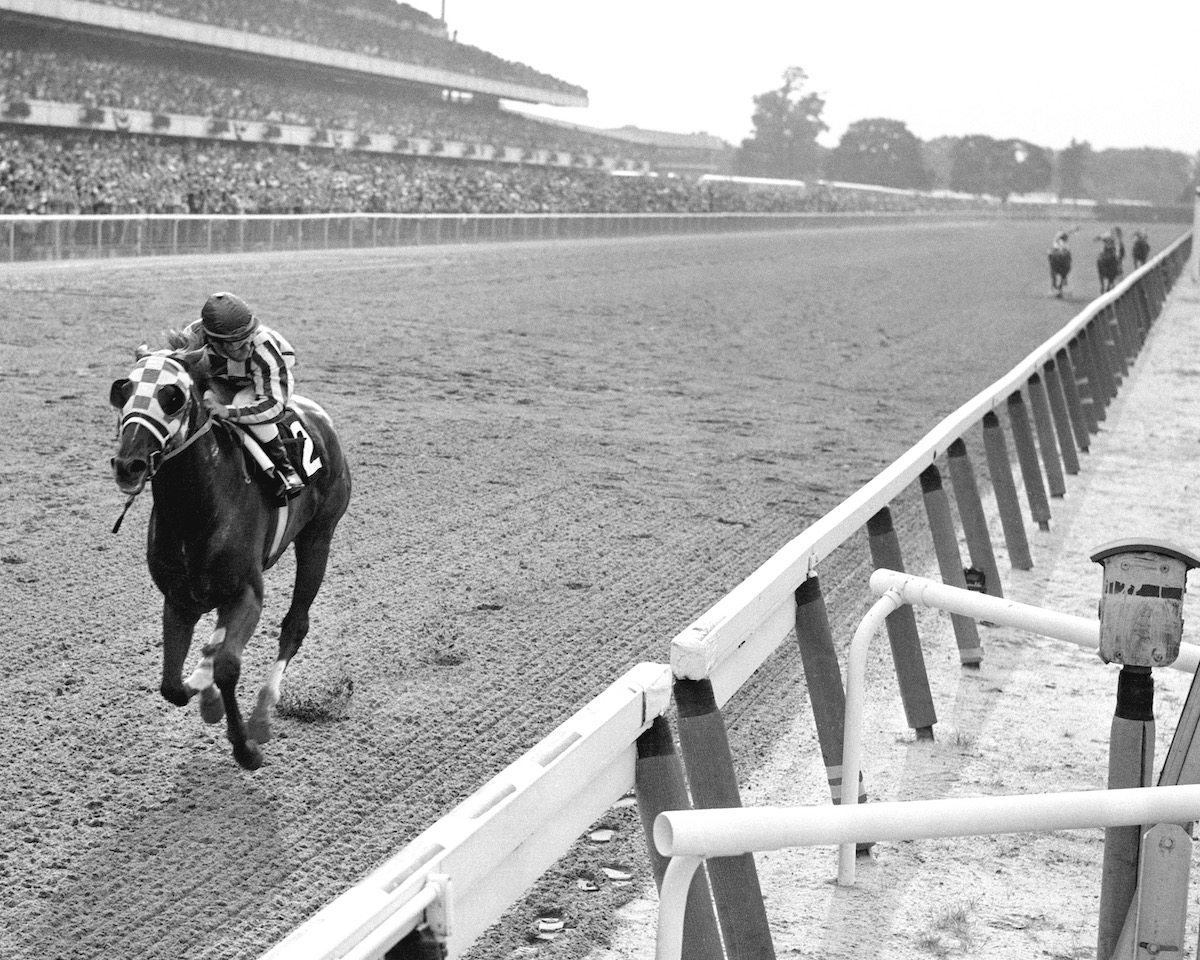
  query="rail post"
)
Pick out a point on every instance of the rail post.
point(945, 546)
point(902, 632)
point(1089, 396)
point(1070, 388)
point(1062, 417)
point(996, 449)
point(659, 785)
point(974, 521)
point(1195, 265)
point(1031, 471)
point(708, 765)
point(823, 678)
point(1102, 390)
point(1141, 626)
point(1045, 436)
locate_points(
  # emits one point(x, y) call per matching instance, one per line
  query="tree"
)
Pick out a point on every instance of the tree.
point(1028, 167)
point(982, 164)
point(786, 127)
point(1072, 169)
point(881, 152)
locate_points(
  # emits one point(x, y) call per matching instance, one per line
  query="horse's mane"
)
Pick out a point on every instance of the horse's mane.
point(187, 347)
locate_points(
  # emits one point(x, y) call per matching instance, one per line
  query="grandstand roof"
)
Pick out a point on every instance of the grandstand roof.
point(663, 138)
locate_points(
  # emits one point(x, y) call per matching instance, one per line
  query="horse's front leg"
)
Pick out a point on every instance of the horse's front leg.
point(178, 627)
point(238, 620)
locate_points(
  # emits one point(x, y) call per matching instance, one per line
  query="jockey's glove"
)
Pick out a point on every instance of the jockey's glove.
point(215, 406)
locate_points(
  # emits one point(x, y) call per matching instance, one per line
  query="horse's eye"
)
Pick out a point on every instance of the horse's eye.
point(171, 399)
point(120, 392)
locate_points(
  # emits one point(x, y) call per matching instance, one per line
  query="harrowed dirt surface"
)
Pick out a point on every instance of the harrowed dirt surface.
point(562, 454)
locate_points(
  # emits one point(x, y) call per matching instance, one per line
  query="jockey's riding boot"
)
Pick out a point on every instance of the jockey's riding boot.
point(292, 484)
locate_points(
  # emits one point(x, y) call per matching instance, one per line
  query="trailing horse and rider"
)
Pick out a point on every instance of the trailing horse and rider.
point(1108, 263)
point(1059, 256)
point(217, 524)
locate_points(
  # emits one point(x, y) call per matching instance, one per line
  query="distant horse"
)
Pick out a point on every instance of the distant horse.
point(216, 526)
point(1108, 265)
point(1141, 248)
point(1060, 265)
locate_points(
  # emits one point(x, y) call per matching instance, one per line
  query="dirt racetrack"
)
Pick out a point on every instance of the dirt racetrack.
point(562, 455)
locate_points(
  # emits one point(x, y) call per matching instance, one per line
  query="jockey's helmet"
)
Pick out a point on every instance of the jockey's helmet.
point(227, 317)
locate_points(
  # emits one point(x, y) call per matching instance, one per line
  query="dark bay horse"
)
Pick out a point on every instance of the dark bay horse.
point(1108, 264)
point(216, 526)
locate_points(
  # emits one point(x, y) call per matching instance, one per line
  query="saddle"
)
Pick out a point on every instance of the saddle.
point(297, 443)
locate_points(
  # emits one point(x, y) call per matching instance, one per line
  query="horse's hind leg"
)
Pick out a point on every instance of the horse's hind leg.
point(312, 556)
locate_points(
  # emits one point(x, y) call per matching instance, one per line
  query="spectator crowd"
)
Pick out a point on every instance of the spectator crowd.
point(77, 173)
point(378, 28)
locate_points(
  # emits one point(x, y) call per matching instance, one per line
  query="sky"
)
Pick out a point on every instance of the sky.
point(1117, 74)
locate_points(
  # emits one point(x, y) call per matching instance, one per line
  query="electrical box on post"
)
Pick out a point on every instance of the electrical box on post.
point(1141, 605)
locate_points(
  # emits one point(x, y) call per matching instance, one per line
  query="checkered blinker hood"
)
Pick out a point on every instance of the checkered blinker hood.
point(149, 388)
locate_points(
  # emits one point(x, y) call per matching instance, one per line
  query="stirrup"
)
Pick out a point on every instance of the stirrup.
point(291, 483)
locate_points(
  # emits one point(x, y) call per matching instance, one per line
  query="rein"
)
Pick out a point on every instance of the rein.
point(173, 452)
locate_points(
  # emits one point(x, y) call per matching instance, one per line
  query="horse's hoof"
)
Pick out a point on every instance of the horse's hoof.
point(174, 695)
point(259, 727)
point(249, 756)
point(212, 706)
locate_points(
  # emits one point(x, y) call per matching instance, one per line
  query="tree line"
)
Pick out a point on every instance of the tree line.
point(787, 122)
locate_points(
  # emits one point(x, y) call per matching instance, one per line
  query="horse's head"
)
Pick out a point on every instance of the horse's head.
point(160, 406)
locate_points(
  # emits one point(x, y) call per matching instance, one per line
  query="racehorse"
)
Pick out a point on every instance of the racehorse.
point(1141, 248)
point(216, 525)
point(1108, 265)
point(1060, 265)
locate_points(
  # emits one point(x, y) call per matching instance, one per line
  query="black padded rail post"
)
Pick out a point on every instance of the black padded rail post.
point(974, 520)
point(1089, 397)
point(1105, 362)
point(1070, 388)
point(1047, 442)
point(1122, 359)
point(945, 547)
point(1062, 418)
point(660, 786)
point(1031, 471)
point(708, 765)
point(902, 632)
point(823, 678)
point(1007, 504)
point(1102, 390)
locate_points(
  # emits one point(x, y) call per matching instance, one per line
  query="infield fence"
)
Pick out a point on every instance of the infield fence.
point(438, 894)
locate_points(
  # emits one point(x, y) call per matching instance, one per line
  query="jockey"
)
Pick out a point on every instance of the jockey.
point(255, 363)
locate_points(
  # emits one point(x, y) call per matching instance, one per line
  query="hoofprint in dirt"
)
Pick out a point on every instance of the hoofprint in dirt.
point(1034, 718)
point(563, 454)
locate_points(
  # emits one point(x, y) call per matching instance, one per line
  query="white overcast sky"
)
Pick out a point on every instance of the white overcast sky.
point(1117, 73)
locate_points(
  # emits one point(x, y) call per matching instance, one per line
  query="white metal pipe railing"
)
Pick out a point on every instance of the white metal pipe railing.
point(690, 836)
point(897, 589)
point(1009, 613)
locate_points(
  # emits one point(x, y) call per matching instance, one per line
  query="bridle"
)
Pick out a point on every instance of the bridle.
point(144, 409)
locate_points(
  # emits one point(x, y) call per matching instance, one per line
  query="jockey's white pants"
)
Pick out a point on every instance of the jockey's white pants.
point(265, 432)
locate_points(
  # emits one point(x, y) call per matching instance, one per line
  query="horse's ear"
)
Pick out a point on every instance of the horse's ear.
point(141, 350)
point(120, 392)
point(171, 398)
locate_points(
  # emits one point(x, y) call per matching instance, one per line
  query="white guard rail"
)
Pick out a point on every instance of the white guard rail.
point(895, 589)
point(729, 642)
point(690, 836)
point(463, 872)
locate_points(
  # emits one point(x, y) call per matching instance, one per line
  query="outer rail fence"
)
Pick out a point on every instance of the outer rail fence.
point(439, 893)
point(37, 237)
